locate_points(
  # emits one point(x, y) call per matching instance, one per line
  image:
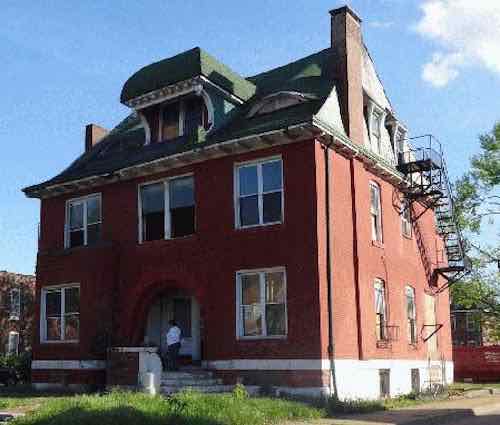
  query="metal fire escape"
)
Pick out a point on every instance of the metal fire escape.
point(423, 164)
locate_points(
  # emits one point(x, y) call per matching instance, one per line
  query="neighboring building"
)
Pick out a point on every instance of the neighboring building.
point(17, 296)
point(467, 328)
point(282, 219)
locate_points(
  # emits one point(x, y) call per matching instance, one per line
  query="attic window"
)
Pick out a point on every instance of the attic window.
point(183, 118)
point(275, 102)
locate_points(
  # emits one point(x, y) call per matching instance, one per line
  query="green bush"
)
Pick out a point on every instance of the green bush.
point(334, 405)
point(20, 363)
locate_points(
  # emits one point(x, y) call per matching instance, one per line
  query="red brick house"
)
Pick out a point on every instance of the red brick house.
point(17, 296)
point(284, 220)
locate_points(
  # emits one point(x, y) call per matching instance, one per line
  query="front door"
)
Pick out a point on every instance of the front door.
point(185, 311)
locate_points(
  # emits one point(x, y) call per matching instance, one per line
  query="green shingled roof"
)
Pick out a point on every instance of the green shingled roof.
point(124, 146)
point(186, 65)
point(309, 75)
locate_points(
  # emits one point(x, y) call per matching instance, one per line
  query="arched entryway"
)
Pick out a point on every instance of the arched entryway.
point(185, 310)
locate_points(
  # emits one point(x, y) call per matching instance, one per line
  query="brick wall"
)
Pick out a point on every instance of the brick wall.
point(25, 325)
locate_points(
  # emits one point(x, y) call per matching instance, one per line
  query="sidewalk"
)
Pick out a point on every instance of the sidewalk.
point(439, 412)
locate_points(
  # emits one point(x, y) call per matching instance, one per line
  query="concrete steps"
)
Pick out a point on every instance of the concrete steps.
point(192, 379)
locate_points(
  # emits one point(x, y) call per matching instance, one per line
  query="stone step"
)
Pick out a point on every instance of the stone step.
point(199, 388)
point(190, 381)
point(187, 375)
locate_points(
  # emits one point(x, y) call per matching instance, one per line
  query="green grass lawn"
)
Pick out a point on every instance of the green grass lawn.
point(188, 408)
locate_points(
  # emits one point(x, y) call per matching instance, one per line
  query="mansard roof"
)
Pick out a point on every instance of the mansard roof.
point(125, 145)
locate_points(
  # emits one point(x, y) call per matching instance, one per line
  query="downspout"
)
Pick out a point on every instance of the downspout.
point(356, 259)
point(329, 278)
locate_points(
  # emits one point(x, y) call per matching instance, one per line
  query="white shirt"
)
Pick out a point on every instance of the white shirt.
point(173, 335)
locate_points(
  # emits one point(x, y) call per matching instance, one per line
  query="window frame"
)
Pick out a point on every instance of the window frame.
point(17, 316)
point(67, 230)
point(406, 222)
point(262, 288)
point(377, 238)
point(383, 324)
point(16, 350)
point(182, 112)
point(166, 207)
point(413, 325)
point(260, 191)
point(43, 313)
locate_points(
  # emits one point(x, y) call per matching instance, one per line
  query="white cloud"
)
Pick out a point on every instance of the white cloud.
point(467, 33)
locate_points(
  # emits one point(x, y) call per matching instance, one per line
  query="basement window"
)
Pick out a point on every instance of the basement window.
point(259, 197)
point(261, 303)
point(184, 118)
point(83, 221)
point(167, 209)
point(60, 315)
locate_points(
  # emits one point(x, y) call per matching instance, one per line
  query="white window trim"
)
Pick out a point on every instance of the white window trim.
point(166, 193)
point(260, 191)
point(208, 104)
point(43, 313)
point(379, 286)
point(239, 322)
point(408, 289)
point(83, 200)
point(379, 215)
point(406, 207)
point(16, 350)
point(11, 295)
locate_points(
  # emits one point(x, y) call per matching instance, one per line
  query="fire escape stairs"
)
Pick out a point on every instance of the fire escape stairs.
point(427, 182)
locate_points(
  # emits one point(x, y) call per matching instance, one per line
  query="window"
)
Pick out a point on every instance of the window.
point(406, 219)
point(15, 304)
point(261, 303)
point(376, 136)
point(184, 117)
point(472, 321)
point(13, 343)
point(259, 198)
point(411, 314)
point(375, 212)
point(174, 196)
point(60, 314)
point(83, 221)
point(380, 311)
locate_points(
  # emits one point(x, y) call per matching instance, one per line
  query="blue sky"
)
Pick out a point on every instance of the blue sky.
point(64, 63)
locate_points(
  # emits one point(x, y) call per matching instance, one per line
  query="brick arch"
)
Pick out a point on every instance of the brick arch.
point(146, 299)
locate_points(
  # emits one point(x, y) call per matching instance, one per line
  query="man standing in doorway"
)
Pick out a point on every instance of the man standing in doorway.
point(173, 345)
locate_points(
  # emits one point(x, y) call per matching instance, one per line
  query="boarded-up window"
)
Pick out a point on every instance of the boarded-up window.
point(262, 303)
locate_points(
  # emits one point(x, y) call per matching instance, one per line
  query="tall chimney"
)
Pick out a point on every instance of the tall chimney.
point(93, 135)
point(347, 45)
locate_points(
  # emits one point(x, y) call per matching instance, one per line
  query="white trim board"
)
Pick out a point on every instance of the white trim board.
point(68, 364)
point(271, 364)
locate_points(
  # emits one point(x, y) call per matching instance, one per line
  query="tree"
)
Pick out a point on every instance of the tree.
point(478, 201)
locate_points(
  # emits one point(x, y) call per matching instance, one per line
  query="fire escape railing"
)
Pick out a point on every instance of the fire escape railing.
point(427, 182)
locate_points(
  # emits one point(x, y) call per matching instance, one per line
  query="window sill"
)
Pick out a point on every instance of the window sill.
point(378, 244)
point(161, 241)
point(260, 338)
point(73, 342)
point(258, 226)
point(405, 236)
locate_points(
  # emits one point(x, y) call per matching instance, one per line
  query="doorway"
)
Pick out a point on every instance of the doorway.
point(186, 312)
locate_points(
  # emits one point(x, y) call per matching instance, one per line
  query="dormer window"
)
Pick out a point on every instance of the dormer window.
point(183, 118)
point(376, 136)
point(277, 101)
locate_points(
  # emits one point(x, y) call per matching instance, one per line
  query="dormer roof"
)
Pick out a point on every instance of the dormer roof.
point(185, 66)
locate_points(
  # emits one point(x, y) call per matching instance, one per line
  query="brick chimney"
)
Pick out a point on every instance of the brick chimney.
point(93, 135)
point(347, 45)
